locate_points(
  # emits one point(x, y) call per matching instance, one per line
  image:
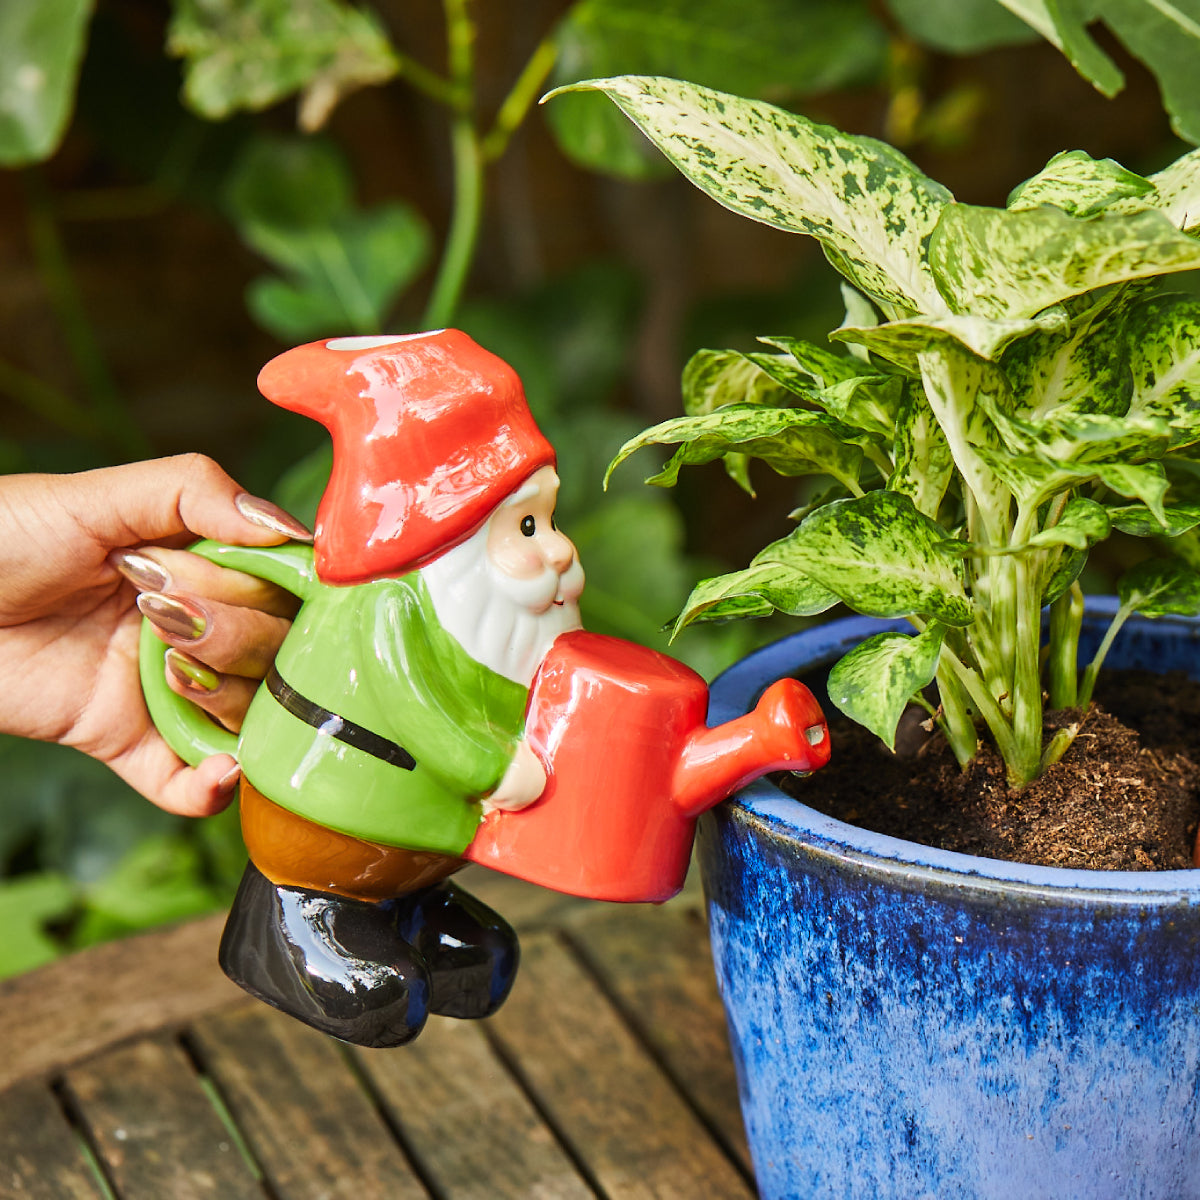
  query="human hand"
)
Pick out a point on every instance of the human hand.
point(69, 625)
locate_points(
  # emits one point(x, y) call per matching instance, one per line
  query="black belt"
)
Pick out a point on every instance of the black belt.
point(338, 727)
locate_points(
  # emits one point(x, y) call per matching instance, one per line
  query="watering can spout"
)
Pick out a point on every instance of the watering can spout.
point(785, 732)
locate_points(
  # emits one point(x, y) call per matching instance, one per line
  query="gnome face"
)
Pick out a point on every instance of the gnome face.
point(507, 592)
point(524, 544)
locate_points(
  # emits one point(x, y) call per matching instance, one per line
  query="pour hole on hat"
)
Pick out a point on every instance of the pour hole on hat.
point(374, 341)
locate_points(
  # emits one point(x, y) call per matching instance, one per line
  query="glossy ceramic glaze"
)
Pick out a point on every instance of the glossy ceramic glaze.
point(427, 429)
point(910, 1022)
point(376, 724)
point(630, 765)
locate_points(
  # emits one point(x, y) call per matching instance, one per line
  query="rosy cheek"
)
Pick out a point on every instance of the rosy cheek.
point(518, 561)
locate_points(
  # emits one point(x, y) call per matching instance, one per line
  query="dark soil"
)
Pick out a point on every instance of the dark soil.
point(1119, 799)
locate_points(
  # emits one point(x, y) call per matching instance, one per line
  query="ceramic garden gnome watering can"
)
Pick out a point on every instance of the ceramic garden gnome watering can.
point(436, 702)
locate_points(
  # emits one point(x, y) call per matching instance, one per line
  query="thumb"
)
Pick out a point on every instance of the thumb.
point(167, 497)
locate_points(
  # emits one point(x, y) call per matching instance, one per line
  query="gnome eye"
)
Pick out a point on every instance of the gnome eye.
point(528, 526)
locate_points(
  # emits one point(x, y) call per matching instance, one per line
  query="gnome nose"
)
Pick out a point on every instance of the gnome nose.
point(560, 552)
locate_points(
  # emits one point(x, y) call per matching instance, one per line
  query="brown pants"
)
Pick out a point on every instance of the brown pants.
point(294, 852)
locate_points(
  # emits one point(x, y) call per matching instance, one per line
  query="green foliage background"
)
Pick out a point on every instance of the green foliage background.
point(189, 188)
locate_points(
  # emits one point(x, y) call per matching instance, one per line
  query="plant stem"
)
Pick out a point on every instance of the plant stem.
point(468, 171)
point(984, 702)
point(1062, 663)
point(1027, 680)
point(1093, 668)
point(425, 80)
point(957, 722)
point(519, 100)
point(1059, 744)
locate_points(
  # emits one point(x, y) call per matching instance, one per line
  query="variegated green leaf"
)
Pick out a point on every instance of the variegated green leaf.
point(759, 590)
point(991, 262)
point(791, 441)
point(1034, 480)
point(1163, 335)
point(902, 342)
point(1138, 521)
point(1080, 366)
point(880, 556)
point(1063, 572)
point(874, 683)
point(1078, 439)
point(870, 208)
point(868, 402)
point(960, 389)
point(1083, 523)
point(923, 466)
point(1145, 481)
point(1161, 586)
point(1079, 184)
point(824, 366)
point(715, 378)
point(1176, 193)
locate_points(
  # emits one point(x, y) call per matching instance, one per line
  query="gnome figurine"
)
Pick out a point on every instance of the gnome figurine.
point(425, 701)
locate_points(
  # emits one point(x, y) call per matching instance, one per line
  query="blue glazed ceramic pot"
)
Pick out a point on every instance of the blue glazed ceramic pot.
point(910, 1022)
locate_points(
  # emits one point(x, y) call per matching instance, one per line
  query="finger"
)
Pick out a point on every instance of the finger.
point(154, 769)
point(230, 640)
point(163, 498)
point(157, 569)
point(224, 697)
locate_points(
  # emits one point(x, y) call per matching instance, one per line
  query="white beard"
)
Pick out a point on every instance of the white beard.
point(506, 624)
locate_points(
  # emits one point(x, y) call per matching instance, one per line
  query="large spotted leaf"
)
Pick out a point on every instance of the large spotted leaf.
point(1160, 587)
point(791, 441)
point(903, 342)
point(875, 682)
point(1075, 367)
point(880, 556)
point(962, 391)
point(823, 366)
point(870, 208)
point(1138, 521)
point(992, 262)
point(1079, 185)
point(1033, 479)
point(761, 589)
point(922, 463)
point(713, 379)
point(1163, 337)
point(1176, 193)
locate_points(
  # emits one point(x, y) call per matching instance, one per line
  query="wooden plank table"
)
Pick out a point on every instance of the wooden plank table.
point(136, 1071)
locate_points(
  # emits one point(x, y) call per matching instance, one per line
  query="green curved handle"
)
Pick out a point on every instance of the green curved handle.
point(186, 728)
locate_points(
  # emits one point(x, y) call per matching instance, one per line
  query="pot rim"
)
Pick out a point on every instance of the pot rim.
point(778, 816)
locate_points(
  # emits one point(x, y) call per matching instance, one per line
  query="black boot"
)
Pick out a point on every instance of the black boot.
point(470, 950)
point(338, 965)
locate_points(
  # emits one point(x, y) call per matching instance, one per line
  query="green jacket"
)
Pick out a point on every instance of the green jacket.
point(375, 654)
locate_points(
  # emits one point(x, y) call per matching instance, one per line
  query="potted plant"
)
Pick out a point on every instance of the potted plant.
point(1009, 387)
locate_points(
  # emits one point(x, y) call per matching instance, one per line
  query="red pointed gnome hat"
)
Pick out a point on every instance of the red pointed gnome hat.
point(430, 433)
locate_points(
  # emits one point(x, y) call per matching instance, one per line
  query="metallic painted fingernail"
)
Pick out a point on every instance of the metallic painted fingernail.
point(175, 617)
point(141, 570)
point(229, 781)
point(194, 676)
point(270, 516)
